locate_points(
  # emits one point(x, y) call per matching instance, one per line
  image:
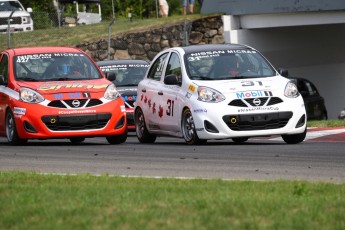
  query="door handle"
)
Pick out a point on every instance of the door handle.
point(143, 90)
point(160, 93)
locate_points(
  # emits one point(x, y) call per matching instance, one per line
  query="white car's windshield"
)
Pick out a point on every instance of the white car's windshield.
point(227, 64)
point(10, 5)
point(55, 67)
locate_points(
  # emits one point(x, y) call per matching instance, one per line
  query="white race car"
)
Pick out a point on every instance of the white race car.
point(217, 91)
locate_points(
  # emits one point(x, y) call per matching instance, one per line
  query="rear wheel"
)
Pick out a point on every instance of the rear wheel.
point(295, 138)
point(240, 139)
point(140, 128)
point(11, 130)
point(188, 129)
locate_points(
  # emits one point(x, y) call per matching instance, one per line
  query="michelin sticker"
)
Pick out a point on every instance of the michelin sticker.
point(20, 111)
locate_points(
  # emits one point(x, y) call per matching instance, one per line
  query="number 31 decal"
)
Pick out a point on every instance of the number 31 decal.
point(170, 110)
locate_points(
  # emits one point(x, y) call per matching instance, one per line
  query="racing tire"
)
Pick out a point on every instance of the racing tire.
point(77, 140)
point(240, 139)
point(117, 139)
point(188, 129)
point(295, 138)
point(11, 130)
point(143, 134)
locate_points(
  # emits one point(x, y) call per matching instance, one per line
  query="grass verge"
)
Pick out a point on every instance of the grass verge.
point(327, 123)
point(35, 201)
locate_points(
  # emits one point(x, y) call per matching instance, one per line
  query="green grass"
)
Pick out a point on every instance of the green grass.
point(35, 201)
point(327, 123)
point(71, 36)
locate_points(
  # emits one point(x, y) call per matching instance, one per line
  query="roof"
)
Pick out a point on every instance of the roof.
point(47, 49)
point(210, 47)
point(121, 62)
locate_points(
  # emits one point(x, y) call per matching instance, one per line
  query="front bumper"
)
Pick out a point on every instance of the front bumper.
point(37, 121)
point(221, 121)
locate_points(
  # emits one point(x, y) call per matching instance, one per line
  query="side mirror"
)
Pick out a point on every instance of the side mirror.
point(29, 10)
point(283, 72)
point(171, 79)
point(110, 76)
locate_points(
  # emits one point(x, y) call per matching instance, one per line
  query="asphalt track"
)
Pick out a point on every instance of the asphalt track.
point(321, 157)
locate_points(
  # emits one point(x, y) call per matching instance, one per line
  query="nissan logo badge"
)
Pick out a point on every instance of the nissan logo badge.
point(257, 101)
point(76, 103)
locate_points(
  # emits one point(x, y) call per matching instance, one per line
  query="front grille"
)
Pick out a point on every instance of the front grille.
point(264, 101)
point(15, 20)
point(263, 121)
point(69, 103)
point(76, 122)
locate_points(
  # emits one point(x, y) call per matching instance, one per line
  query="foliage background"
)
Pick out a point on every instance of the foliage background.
point(140, 8)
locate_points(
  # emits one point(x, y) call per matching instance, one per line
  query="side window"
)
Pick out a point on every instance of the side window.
point(174, 66)
point(157, 68)
point(311, 89)
point(4, 68)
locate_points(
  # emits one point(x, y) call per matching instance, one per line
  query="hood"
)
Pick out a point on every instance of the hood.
point(44, 88)
point(249, 84)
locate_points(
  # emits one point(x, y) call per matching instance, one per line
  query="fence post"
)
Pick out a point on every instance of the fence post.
point(9, 29)
point(109, 34)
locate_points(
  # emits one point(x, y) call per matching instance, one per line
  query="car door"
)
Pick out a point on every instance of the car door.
point(3, 89)
point(169, 98)
point(150, 93)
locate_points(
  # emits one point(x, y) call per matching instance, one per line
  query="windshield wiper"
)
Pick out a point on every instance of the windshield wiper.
point(196, 77)
point(59, 79)
point(26, 79)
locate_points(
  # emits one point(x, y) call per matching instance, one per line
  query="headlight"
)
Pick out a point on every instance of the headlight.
point(209, 95)
point(30, 96)
point(291, 90)
point(26, 20)
point(111, 92)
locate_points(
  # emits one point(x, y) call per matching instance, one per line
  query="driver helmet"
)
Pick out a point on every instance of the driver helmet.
point(64, 69)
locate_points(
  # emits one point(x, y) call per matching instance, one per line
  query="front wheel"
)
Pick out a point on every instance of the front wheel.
point(188, 129)
point(117, 139)
point(295, 138)
point(240, 139)
point(77, 140)
point(11, 130)
point(143, 134)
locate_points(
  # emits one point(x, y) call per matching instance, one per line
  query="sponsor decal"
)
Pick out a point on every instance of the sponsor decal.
point(58, 96)
point(129, 98)
point(200, 110)
point(123, 108)
point(160, 113)
point(191, 88)
point(258, 109)
point(20, 111)
point(86, 95)
point(154, 108)
point(67, 112)
point(216, 53)
point(188, 95)
point(76, 85)
point(253, 93)
point(26, 58)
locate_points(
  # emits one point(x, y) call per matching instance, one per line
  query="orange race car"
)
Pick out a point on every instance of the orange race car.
point(57, 92)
